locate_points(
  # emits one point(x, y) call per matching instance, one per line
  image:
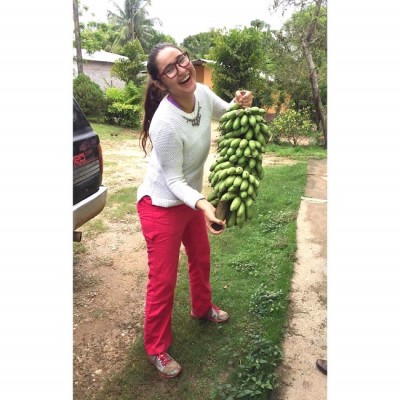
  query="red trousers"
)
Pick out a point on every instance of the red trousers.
point(164, 230)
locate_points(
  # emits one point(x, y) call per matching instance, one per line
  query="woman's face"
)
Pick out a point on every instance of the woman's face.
point(177, 79)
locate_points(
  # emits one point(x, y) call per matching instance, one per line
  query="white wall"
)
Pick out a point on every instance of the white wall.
point(99, 72)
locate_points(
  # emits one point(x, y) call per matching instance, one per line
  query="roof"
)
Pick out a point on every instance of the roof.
point(201, 61)
point(100, 56)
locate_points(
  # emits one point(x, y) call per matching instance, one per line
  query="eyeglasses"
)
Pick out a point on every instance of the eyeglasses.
point(171, 70)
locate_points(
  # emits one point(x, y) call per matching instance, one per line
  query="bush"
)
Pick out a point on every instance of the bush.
point(124, 106)
point(292, 126)
point(123, 114)
point(114, 94)
point(89, 96)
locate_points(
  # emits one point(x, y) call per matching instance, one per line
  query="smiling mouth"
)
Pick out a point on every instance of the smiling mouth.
point(185, 80)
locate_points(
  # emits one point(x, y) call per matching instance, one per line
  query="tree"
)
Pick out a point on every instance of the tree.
point(77, 32)
point(129, 70)
point(241, 62)
point(199, 45)
point(306, 38)
point(158, 37)
point(132, 23)
point(98, 36)
point(289, 67)
point(259, 24)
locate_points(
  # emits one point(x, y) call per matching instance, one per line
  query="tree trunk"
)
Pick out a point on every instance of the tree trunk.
point(315, 89)
point(78, 43)
point(305, 42)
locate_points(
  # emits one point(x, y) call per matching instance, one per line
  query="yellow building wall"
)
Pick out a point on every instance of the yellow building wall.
point(203, 75)
point(207, 77)
point(199, 73)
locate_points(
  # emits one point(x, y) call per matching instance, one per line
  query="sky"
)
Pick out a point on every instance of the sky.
point(183, 18)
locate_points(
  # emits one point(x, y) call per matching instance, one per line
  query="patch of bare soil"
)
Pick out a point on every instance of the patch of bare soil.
point(110, 277)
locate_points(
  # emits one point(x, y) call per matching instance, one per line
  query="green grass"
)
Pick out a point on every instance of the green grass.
point(112, 132)
point(95, 226)
point(121, 203)
point(300, 152)
point(251, 276)
point(78, 249)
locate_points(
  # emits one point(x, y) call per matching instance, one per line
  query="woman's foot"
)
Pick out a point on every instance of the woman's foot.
point(166, 366)
point(214, 314)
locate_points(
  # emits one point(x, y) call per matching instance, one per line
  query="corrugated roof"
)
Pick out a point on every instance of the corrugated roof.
point(201, 61)
point(100, 56)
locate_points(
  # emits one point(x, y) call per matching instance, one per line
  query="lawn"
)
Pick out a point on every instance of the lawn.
point(251, 275)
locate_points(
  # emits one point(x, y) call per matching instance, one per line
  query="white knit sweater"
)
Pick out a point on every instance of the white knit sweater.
point(175, 170)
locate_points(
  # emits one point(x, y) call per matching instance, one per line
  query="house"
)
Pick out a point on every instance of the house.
point(98, 67)
point(203, 71)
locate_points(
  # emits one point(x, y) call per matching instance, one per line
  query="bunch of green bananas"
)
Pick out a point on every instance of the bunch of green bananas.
point(235, 175)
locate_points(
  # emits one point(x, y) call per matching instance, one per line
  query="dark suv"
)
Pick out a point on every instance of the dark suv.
point(89, 193)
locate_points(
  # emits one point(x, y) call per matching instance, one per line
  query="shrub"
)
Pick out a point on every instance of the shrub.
point(124, 106)
point(256, 375)
point(123, 114)
point(292, 126)
point(114, 94)
point(89, 96)
point(264, 302)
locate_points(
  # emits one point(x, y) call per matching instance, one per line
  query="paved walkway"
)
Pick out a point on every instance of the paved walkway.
point(305, 340)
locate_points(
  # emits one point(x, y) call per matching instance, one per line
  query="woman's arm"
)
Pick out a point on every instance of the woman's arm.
point(209, 213)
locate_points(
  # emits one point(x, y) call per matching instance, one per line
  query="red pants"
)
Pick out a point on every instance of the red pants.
point(164, 230)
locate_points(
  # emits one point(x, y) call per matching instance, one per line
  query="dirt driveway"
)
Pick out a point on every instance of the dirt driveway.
point(110, 278)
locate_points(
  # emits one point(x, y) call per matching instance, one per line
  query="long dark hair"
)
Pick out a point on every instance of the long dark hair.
point(153, 95)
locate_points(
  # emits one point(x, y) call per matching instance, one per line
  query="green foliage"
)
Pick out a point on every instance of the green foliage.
point(259, 24)
point(112, 132)
point(290, 70)
point(132, 22)
point(79, 249)
point(95, 227)
point(119, 204)
point(249, 267)
point(242, 355)
point(115, 94)
point(124, 106)
point(97, 36)
point(89, 96)
point(130, 70)
point(264, 302)
point(275, 221)
point(241, 63)
point(301, 152)
point(199, 45)
point(292, 126)
point(157, 37)
point(256, 373)
point(123, 114)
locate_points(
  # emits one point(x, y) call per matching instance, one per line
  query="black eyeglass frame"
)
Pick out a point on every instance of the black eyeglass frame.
point(186, 54)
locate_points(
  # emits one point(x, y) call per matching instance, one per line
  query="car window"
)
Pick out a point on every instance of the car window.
point(81, 124)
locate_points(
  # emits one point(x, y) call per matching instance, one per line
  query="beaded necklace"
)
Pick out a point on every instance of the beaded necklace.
point(196, 120)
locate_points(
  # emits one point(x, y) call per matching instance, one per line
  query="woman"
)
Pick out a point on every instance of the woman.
point(172, 210)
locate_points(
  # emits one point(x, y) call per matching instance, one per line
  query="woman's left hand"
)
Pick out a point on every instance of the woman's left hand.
point(244, 98)
point(209, 214)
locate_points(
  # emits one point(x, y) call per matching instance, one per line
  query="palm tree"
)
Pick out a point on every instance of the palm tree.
point(132, 22)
